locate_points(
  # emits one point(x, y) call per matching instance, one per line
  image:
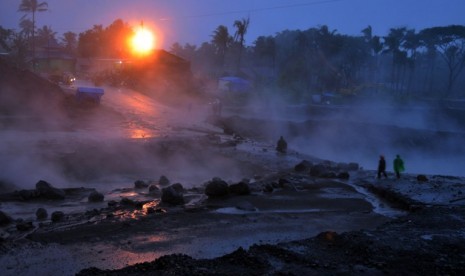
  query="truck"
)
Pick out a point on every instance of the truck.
point(89, 94)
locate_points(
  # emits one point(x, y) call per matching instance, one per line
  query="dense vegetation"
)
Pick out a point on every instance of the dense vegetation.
point(404, 63)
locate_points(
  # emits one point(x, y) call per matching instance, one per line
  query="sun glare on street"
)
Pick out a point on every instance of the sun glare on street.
point(143, 42)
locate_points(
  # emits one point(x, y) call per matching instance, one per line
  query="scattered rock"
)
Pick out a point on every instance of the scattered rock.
point(317, 170)
point(41, 214)
point(171, 195)
point(178, 187)
point(216, 188)
point(140, 184)
point(95, 196)
point(126, 201)
point(28, 194)
point(343, 175)
point(422, 178)
point(241, 188)
point(163, 181)
point(303, 166)
point(46, 190)
point(24, 226)
point(330, 175)
point(4, 219)
point(57, 216)
point(153, 189)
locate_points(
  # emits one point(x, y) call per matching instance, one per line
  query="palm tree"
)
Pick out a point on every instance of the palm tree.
point(241, 30)
point(45, 36)
point(394, 42)
point(32, 6)
point(221, 40)
point(26, 27)
point(69, 40)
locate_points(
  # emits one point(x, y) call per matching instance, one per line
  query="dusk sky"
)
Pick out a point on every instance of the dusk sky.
point(193, 21)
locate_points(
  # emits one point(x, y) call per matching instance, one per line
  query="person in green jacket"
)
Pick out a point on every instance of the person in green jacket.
point(398, 166)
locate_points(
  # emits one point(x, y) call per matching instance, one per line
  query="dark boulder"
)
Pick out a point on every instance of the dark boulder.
point(343, 175)
point(95, 196)
point(41, 214)
point(153, 189)
point(57, 216)
point(164, 181)
point(216, 188)
point(171, 195)
point(4, 219)
point(24, 226)
point(140, 184)
point(127, 202)
point(422, 178)
point(328, 175)
point(178, 187)
point(28, 194)
point(241, 188)
point(318, 170)
point(303, 166)
point(46, 190)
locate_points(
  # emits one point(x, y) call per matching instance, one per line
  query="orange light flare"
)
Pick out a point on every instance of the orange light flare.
point(144, 41)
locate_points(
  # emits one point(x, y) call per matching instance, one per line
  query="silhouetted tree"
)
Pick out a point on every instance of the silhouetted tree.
point(32, 6)
point(46, 36)
point(239, 37)
point(449, 42)
point(69, 41)
point(393, 41)
point(221, 41)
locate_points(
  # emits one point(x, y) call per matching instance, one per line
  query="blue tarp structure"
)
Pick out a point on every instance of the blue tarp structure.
point(233, 84)
point(89, 94)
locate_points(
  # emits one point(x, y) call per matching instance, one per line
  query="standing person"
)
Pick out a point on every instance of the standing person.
point(281, 146)
point(398, 166)
point(382, 167)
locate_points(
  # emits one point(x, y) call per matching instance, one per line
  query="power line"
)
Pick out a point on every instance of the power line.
point(259, 9)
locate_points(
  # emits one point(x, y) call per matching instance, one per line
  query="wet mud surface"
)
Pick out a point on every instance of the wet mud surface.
point(293, 222)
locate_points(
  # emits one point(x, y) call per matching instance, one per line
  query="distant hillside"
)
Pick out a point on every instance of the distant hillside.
point(25, 93)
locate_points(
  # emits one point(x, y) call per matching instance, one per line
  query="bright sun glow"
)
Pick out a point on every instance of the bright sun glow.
point(143, 42)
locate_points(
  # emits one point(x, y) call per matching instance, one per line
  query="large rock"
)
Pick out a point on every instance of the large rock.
point(171, 195)
point(57, 216)
point(163, 181)
point(422, 178)
point(46, 190)
point(216, 188)
point(318, 170)
point(24, 225)
point(5, 219)
point(303, 166)
point(28, 194)
point(41, 214)
point(154, 190)
point(140, 184)
point(241, 188)
point(95, 196)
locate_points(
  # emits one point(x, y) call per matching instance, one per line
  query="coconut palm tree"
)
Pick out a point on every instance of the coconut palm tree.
point(32, 6)
point(239, 37)
point(221, 40)
point(69, 40)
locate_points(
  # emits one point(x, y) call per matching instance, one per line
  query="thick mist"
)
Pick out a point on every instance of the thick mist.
point(427, 136)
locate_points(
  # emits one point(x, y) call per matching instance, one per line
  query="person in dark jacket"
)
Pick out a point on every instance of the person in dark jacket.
point(398, 166)
point(382, 167)
point(281, 146)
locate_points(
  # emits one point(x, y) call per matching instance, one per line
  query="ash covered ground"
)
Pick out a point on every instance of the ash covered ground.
point(238, 207)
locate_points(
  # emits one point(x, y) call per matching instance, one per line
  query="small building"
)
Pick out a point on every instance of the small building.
point(233, 84)
point(53, 59)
